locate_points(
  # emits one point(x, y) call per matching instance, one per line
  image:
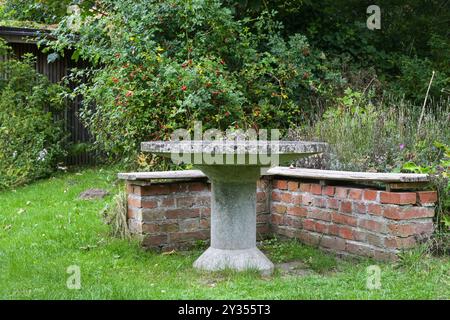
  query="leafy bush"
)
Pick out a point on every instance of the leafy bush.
point(439, 170)
point(46, 11)
point(30, 140)
point(158, 66)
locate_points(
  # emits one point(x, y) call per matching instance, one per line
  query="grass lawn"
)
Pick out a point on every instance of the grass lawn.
point(44, 229)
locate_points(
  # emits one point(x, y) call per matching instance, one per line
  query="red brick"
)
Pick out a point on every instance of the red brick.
point(359, 235)
point(316, 189)
point(346, 232)
point(333, 229)
point(288, 232)
point(307, 199)
point(279, 208)
point(205, 212)
point(187, 225)
point(280, 184)
point(293, 222)
point(361, 207)
point(276, 219)
point(319, 202)
point(334, 243)
point(309, 238)
point(151, 215)
point(261, 196)
point(182, 213)
point(189, 236)
point(262, 229)
point(286, 197)
point(427, 197)
point(197, 186)
point(333, 204)
point(321, 227)
point(355, 194)
point(159, 228)
point(155, 189)
point(186, 202)
point(205, 223)
point(276, 196)
point(262, 218)
point(178, 187)
point(130, 188)
point(134, 201)
point(359, 249)
point(296, 199)
point(297, 211)
point(375, 240)
point(405, 230)
point(305, 187)
point(346, 206)
point(262, 207)
point(341, 192)
point(400, 243)
point(398, 197)
point(370, 195)
point(133, 213)
point(381, 255)
point(309, 224)
point(398, 213)
point(168, 202)
point(375, 209)
point(293, 186)
point(135, 226)
point(319, 214)
point(328, 191)
point(154, 240)
point(343, 219)
point(372, 225)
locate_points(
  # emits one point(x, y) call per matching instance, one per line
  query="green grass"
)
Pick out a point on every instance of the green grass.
point(44, 229)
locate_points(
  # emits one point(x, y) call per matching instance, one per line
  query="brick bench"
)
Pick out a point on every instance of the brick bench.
point(337, 211)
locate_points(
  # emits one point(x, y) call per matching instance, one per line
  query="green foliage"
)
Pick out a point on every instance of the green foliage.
point(413, 34)
point(381, 136)
point(42, 11)
point(158, 66)
point(439, 170)
point(30, 140)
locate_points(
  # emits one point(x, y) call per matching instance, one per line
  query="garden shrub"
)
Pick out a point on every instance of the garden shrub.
point(159, 66)
point(30, 139)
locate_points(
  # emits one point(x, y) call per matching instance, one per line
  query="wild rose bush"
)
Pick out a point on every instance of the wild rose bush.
point(161, 65)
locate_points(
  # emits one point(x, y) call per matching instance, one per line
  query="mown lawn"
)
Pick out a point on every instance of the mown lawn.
point(45, 228)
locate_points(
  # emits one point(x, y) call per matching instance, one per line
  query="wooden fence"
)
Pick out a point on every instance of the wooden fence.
point(55, 71)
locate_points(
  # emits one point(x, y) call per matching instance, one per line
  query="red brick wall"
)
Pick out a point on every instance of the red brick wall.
point(177, 214)
point(356, 221)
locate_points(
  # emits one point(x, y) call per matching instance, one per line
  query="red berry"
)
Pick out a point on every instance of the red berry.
point(184, 88)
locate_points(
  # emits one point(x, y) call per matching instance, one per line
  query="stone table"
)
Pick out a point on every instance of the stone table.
point(233, 169)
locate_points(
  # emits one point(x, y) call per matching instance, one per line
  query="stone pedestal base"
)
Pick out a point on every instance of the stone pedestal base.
point(233, 221)
point(240, 260)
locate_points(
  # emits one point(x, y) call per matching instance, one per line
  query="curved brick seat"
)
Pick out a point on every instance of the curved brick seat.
point(335, 210)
